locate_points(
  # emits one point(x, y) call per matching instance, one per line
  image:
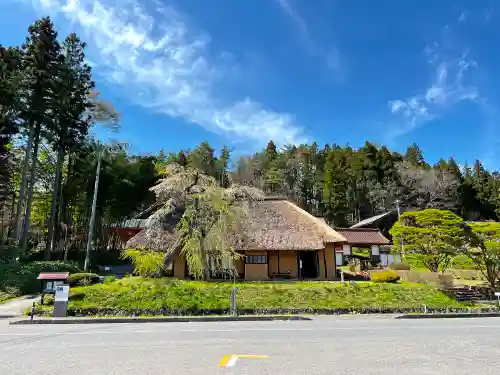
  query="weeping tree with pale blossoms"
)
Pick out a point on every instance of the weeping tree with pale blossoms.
point(201, 216)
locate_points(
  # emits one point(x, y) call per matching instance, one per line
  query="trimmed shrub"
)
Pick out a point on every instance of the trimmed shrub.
point(101, 257)
point(110, 279)
point(20, 278)
point(400, 267)
point(9, 254)
point(388, 276)
point(80, 279)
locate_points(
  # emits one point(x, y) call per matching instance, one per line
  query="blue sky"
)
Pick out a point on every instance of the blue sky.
point(241, 72)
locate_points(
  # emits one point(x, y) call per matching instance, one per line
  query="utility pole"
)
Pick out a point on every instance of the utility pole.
point(402, 238)
point(92, 214)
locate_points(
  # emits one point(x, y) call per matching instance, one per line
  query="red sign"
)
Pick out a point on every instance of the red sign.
point(53, 276)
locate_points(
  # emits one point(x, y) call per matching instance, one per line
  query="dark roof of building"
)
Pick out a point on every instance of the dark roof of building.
point(363, 236)
point(371, 220)
point(131, 223)
point(271, 224)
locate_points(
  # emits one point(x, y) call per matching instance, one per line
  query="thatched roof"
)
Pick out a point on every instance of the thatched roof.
point(270, 224)
point(277, 224)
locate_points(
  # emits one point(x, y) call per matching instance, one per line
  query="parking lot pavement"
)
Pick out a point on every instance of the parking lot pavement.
point(326, 345)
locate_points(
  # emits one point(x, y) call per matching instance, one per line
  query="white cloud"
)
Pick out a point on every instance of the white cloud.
point(301, 24)
point(329, 55)
point(162, 64)
point(448, 87)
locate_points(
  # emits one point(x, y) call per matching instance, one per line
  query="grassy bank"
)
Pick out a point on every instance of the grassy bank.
point(166, 296)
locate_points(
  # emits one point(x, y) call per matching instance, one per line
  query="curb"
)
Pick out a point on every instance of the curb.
point(448, 316)
point(171, 319)
point(8, 316)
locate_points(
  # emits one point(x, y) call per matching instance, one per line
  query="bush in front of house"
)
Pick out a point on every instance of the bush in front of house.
point(80, 279)
point(400, 267)
point(388, 276)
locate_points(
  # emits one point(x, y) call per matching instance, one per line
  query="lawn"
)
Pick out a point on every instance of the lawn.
point(458, 262)
point(169, 296)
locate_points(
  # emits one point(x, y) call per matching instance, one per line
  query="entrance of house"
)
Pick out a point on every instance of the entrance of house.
point(309, 262)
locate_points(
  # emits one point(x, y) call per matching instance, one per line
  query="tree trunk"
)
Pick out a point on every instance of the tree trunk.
point(65, 201)
point(93, 212)
point(491, 276)
point(24, 177)
point(49, 246)
point(29, 202)
point(65, 243)
point(12, 215)
point(205, 259)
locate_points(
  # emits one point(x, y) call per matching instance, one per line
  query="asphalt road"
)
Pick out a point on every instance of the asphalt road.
point(337, 345)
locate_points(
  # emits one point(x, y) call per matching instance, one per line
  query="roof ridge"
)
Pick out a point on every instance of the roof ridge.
point(275, 198)
point(358, 229)
point(321, 223)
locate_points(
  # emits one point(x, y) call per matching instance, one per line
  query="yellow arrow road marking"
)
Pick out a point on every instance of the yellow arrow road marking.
point(229, 360)
point(223, 362)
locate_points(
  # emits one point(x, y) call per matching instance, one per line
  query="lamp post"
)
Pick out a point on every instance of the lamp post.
point(402, 237)
point(92, 214)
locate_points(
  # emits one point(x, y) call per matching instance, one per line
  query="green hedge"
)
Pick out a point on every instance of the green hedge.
point(400, 266)
point(101, 257)
point(21, 279)
point(8, 254)
point(388, 276)
point(81, 279)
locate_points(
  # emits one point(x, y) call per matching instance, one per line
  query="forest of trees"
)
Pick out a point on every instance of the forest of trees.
point(48, 156)
point(346, 185)
point(48, 106)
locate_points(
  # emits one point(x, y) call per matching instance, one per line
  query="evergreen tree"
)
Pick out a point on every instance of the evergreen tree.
point(270, 152)
point(335, 188)
point(40, 68)
point(71, 124)
point(10, 60)
point(415, 156)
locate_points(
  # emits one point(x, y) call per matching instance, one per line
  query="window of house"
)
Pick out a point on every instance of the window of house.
point(256, 259)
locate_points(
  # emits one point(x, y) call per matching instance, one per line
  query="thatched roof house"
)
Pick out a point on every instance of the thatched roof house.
point(273, 223)
point(276, 237)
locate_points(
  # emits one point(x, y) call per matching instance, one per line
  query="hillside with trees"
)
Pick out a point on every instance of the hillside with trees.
point(346, 185)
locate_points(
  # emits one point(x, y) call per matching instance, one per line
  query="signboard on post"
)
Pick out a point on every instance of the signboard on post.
point(61, 301)
point(234, 308)
point(497, 294)
point(62, 293)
